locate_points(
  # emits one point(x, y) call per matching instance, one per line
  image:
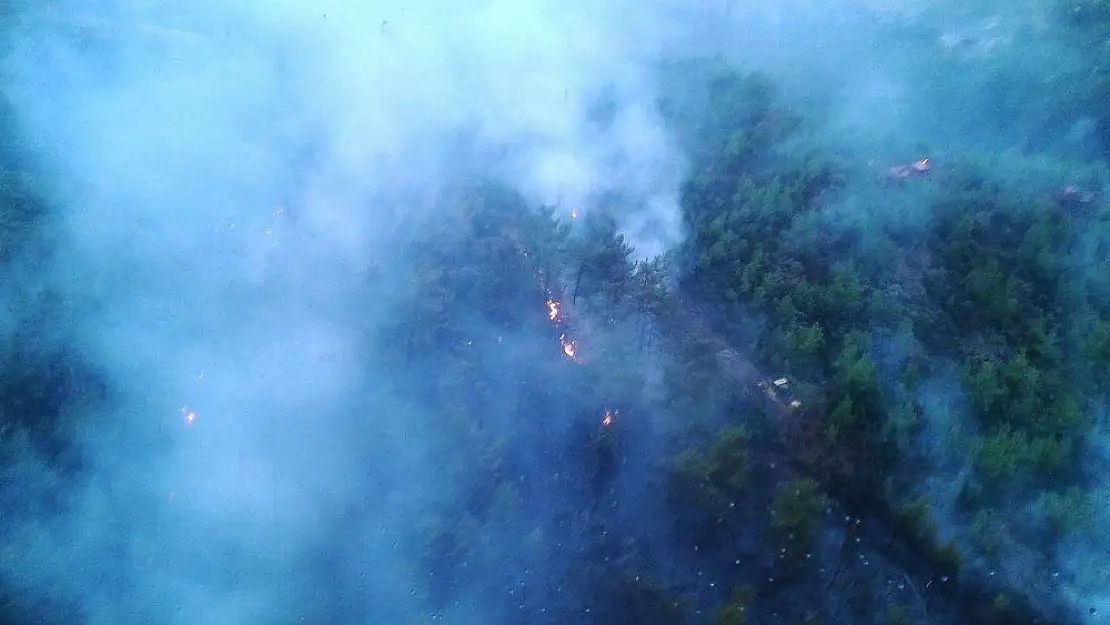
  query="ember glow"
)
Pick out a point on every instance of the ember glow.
point(570, 348)
point(556, 316)
point(554, 311)
point(189, 416)
point(607, 420)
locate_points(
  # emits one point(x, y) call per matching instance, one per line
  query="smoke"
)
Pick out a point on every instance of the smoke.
point(226, 174)
point(229, 177)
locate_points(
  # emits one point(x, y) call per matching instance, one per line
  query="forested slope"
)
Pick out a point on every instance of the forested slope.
point(853, 394)
point(949, 356)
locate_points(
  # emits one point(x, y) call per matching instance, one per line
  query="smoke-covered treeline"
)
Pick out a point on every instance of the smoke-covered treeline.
point(534, 312)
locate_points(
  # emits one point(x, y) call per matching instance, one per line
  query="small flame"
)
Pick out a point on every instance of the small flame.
point(189, 415)
point(607, 420)
point(554, 311)
point(570, 348)
point(574, 213)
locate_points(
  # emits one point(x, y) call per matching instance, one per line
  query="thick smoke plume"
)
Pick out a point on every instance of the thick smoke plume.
point(228, 179)
point(228, 172)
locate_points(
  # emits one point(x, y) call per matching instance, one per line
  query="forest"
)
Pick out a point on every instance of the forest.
point(853, 393)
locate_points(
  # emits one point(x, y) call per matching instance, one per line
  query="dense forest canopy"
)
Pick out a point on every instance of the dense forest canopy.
point(277, 377)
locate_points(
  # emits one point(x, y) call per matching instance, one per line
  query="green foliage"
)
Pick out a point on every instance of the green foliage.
point(606, 274)
point(915, 523)
point(796, 514)
point(989, 284)
point(998, 280)
point(728, 119)
point(735, 612)
point(805, 345)
point(1066, 512)
point(490, 258)
point(797, 508)
point(914, 517)
point(947, 558)
point(1017, 393)
point(1025, 327)
point(898, 615)
point(713, 478)
point(1009, 458)
point(1004, 608)
point(903, 423)
point(1004, 251)
point(853, 449)
point(731, 614)
point(1096, 347)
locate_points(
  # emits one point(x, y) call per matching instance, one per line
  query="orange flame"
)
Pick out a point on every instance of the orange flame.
point(555, 315)
point(189, 415)
point(570, 348)
point(554, 311)
point(607, 420)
